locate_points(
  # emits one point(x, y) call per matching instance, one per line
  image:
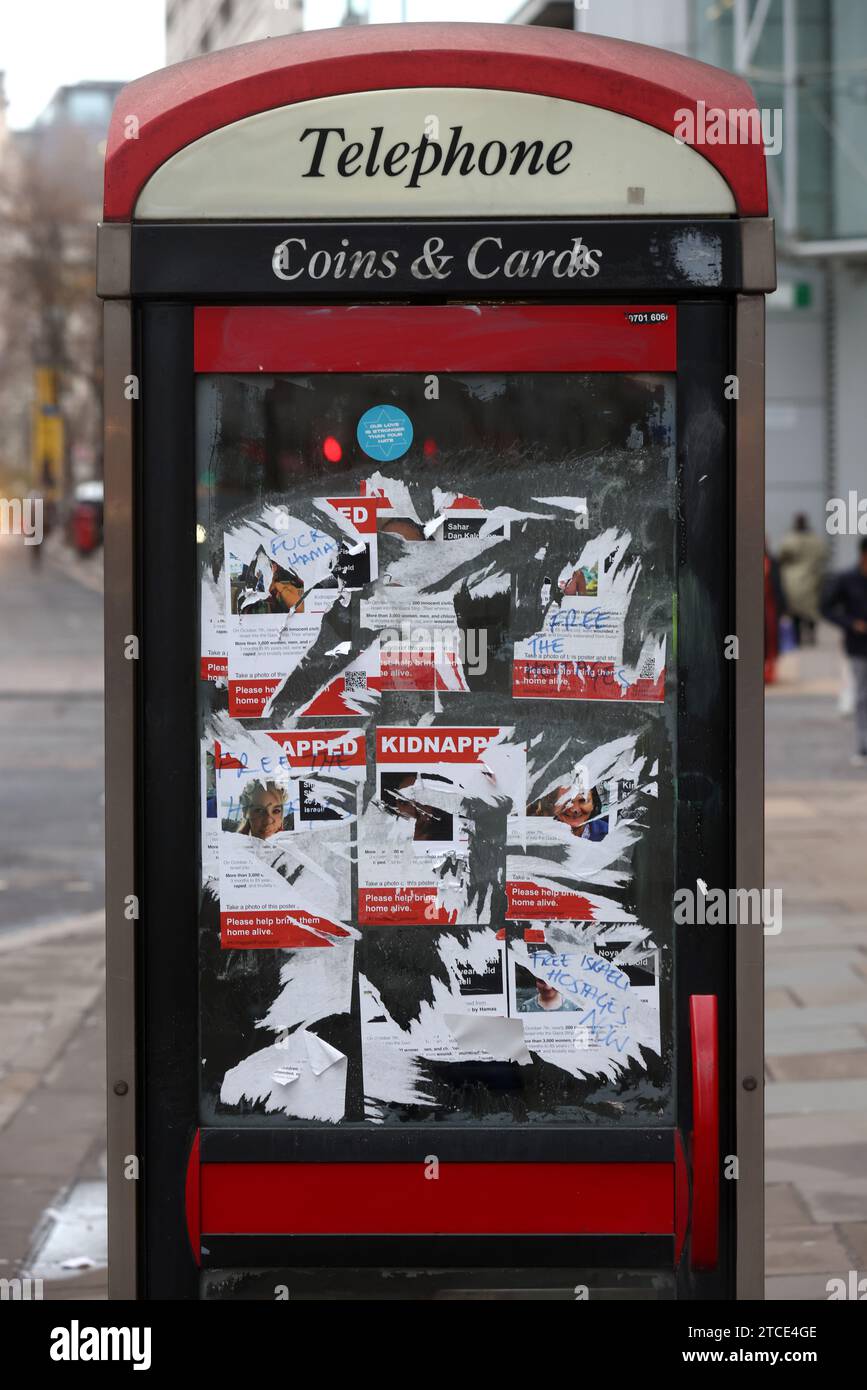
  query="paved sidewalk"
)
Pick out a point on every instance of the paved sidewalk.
point(87, 570)
point(816, 998)
point(52, 1089)
point(52, 1072)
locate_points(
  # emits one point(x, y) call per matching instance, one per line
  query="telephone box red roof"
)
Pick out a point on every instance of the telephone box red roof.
point(181, 103)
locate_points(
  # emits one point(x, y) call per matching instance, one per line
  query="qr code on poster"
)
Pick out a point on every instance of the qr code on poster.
point(355, 680)
point(647, 669)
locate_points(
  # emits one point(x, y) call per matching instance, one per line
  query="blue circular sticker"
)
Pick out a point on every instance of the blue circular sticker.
point(384, 432)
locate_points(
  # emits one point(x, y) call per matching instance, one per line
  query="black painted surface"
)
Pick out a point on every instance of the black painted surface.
point(646, 257)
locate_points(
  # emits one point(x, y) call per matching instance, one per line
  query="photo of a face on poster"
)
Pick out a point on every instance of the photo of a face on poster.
point(263, 809)
point(575, 804)
point(534, 994)
point(263, 586)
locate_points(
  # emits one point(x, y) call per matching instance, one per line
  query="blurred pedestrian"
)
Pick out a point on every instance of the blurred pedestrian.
point(802, 570)
point(775, 607)
point(845, 603)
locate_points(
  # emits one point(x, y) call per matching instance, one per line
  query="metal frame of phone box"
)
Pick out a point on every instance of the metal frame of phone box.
point(661, 1211)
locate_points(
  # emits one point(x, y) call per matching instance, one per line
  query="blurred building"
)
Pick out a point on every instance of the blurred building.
point(68, 139)
point(806, 59)
point(194, 27)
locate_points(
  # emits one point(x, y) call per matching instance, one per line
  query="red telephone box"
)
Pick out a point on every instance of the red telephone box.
point(434, 383)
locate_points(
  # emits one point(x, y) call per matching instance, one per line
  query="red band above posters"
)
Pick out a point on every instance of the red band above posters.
point(437, 338)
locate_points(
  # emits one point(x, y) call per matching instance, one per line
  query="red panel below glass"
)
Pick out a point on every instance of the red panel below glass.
point(465, 1199)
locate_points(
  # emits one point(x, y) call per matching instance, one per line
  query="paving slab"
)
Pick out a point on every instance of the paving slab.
point(813, 1097)
point(817, 1018)
point(780, 999)
point(805, 1249)
point(23, 1202)
point(820, 991)
point(819, 1066)
point(843, 1201)
point(800, 1288)
point(784, 1206)
point(847, 1037)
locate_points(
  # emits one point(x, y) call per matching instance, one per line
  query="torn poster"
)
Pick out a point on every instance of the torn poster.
point(314, 984)
point(352, 692)
point(272, 571)
point(585, 810)
point(465, 519)
point(420, 644)
point(208, 818)
point(214, 660)
point(281, 578)
point(301, 1075)
point(463, 1019)
point(436, 617)
point(578, 651)
point(588, 1002)
point(285, 803)
point(414, 837)
point(423, 645)
point(357, 563)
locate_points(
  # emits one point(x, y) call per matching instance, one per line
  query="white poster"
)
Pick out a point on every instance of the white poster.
point(281, 577)
point(285, 805)
point(572, 844)
point(413, 853)
point(463, 1019)
point(577, 651)
point(587, 1004)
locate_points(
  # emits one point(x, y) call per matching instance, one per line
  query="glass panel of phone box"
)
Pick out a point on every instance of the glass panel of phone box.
point(437, 748)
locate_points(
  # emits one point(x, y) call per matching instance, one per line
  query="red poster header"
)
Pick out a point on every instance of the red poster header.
point(438, 744)
point(315, 749)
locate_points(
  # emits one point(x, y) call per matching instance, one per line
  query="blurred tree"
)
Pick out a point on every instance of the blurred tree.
point(49, 313)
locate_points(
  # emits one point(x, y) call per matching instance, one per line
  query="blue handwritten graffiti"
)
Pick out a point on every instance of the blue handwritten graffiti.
point(594, 619)
point(599, 1010)
point(608, 1032)
point(301, 549)
point(233, 811)
point(268, 765)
